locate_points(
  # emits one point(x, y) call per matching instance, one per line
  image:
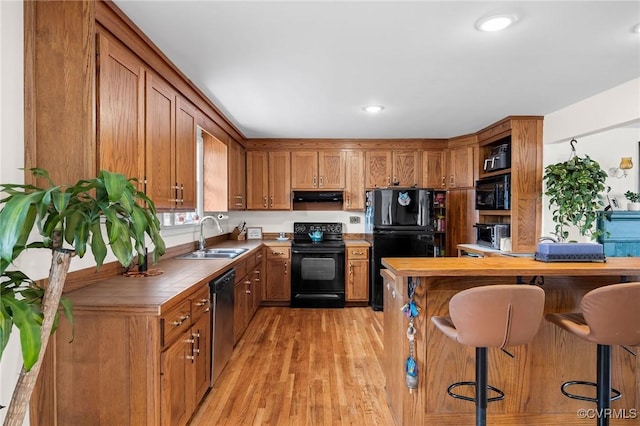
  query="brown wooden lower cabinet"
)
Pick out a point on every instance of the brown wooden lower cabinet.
point(531, 380)
point(140, 365)
point(278, 273)
point(247, 294)
point(357, 273)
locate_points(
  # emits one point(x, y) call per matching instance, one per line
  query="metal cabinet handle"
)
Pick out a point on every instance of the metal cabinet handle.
point(315, 181)
point(388, 180)
point(285, 268)
point(348, 200)
point(444, 181)
point(271, 201)
point(358, 252)
point(350, 268)
point(202, 302)
point(321, 180)
point(264, 201)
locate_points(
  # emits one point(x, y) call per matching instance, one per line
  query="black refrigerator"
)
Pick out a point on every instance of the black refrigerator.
point(400, 221)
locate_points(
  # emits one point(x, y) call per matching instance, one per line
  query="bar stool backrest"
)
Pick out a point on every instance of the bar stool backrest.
point(497, 315)
point(613, 314)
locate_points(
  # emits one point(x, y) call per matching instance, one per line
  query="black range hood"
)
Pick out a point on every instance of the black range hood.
point(317, 196)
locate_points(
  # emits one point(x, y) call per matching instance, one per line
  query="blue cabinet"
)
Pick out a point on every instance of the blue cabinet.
point(621, 233)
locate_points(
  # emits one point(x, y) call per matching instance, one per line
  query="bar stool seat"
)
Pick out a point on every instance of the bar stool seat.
point(609, 315)
point(493, 316)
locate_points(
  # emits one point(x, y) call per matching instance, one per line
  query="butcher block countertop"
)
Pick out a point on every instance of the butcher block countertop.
point(501, 266)
point(156, 294)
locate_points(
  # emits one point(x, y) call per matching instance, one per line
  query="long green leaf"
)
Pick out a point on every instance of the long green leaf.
point(6, 325)
point(29, 330)
point(98, 247)
point(67, 306)
point(114, 183)
point(12, 221)
point(81, 237)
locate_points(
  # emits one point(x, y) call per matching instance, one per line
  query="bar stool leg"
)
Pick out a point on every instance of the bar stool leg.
point(481, 386)
point(603, 388)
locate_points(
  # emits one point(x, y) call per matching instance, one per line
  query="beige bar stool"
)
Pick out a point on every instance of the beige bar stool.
point(493, 316)
point(610, 315)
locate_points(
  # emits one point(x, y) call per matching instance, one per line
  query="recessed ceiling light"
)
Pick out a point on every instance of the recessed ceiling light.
point(373, 108)
point(495, 23)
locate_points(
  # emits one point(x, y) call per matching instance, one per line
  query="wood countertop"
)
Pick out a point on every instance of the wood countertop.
point(155, 294)
point(504, 266)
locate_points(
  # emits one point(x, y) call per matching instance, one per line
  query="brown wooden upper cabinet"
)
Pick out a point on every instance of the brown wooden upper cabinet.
point(389, 168)
point(146, 130)
point(354, 185)
point(237, 176)
point(317, 169)
point(170, 161)
point(268, 180)
point(120, 110)
point(461, 167)
point(434, 169)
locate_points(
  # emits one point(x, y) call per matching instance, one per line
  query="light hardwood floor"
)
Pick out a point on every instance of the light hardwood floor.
point(302, 367)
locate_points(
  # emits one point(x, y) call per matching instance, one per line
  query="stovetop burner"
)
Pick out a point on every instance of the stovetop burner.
point(331, 234)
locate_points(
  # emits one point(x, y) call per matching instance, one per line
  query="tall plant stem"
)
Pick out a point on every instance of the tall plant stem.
point(21, 396)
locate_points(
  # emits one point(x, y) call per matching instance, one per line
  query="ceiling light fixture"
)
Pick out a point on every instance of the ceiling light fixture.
point(636, 29)
point(373, 108)
point(495, 23)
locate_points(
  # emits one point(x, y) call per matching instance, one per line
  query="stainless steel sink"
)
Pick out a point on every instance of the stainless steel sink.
point(214, 253)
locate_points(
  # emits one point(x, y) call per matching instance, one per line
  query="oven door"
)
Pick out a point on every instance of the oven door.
point(317, 277)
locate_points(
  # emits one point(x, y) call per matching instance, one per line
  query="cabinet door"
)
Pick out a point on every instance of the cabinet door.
point(201, 335)
point(237, 177)
point(304, 170)
point(120, 110)
point(256, 289)
point(160, 143)
point(461, 216)
point(357, 280)
point(434, 170)
point(240, 306)
point(279, 181)
point(406, 168)
point(331, 168)
point(378, 169)
point(185, 154)
point(278, 286)
point(177, 382)
point(257, 180)
point(354, 188)
point(461, 167)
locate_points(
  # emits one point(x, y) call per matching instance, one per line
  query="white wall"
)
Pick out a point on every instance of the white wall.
point(607, 127)
point(11, 152)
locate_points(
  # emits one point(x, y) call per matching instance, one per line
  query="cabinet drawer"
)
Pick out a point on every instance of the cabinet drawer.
point(200, 303)
point(278, 252)
point(241, 270)
point(357, 253)
point(174, 322)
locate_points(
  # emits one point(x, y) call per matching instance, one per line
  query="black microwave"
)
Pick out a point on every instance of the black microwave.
point(494, 193)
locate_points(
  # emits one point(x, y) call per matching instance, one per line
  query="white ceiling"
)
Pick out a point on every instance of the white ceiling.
point(305, 69)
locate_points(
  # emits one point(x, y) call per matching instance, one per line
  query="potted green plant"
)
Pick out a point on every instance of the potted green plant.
point(575, 188)
point(79, 215)
point(634, 200)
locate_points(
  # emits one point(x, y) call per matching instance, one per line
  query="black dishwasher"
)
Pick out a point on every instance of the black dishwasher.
point(222, 322)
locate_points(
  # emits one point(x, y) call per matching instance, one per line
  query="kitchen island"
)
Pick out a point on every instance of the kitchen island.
point(531, 380)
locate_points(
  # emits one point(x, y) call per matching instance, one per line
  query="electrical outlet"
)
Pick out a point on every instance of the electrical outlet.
point(354, 219)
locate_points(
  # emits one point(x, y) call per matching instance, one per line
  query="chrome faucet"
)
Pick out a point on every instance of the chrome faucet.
point(201, 245)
